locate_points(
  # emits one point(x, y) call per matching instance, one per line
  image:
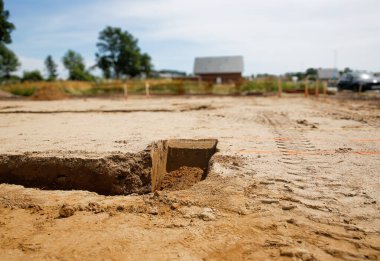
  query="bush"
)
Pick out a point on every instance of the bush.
point(32, 76)
point(260, 85)
point(269, 85)
point(22, 90)
point(81, 75)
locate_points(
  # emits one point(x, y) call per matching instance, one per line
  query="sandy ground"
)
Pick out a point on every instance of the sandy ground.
point(293, 179)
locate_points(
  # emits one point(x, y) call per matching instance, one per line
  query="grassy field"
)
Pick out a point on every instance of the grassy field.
point(156, 86)
point(72, 88)
point(265, 85)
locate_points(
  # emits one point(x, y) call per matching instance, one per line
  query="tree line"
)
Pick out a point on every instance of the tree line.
point(118, 56)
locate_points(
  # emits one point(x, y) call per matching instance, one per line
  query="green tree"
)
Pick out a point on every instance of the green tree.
point(8, 59)
point(119, 55)
point(32, 76)
point(146, 64)
point(346, 70)
point(51, 68)
point(74, 63)
point(6, 27)
point(8, 62)
point(311, 72)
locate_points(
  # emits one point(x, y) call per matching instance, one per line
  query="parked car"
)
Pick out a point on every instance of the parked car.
point(358, 81)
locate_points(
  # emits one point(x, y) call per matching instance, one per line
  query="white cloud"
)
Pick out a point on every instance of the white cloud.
point(273, 35)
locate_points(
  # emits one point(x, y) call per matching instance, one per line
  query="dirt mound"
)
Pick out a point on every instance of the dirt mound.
point(49, 93)
point(182, 178)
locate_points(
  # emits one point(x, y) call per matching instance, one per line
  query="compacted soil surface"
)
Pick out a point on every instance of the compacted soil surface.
point(292, 179)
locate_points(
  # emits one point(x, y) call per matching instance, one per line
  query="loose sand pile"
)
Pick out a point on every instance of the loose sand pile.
point(183, 178)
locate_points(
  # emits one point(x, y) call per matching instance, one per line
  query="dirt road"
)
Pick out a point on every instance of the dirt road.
point(293, 179)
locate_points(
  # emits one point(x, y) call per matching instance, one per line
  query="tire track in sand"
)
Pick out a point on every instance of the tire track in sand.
point(309, 185)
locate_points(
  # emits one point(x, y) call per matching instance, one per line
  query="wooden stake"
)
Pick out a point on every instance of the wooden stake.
point(159, 155)
point(306, 88)
point(325, 89)
point(317, 88)
point(147, 89)
point(279, 87)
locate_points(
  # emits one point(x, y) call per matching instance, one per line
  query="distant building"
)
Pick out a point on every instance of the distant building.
point(170, 74)
point(223, 69)
point(328, 74)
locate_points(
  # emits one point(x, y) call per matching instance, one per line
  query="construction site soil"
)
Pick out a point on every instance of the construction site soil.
point(290, 179)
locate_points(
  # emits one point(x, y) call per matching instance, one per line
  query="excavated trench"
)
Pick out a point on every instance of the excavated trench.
point(164, 165)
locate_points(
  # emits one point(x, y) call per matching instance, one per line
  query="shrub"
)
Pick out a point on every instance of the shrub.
point(32, 76)
point(21, 90)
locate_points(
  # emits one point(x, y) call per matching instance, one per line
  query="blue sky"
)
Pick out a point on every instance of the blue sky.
point(274, 36)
